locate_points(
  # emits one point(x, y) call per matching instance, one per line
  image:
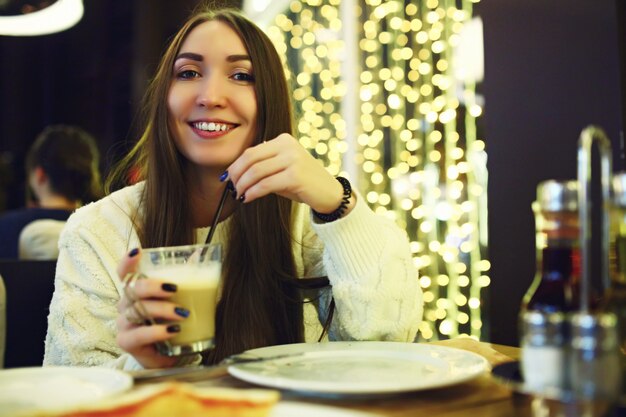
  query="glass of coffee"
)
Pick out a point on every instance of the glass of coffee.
point(196, 270)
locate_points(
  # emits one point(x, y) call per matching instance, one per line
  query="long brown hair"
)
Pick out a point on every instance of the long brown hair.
point(259, 306)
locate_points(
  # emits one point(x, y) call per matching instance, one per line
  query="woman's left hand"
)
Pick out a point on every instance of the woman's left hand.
point(282, 166)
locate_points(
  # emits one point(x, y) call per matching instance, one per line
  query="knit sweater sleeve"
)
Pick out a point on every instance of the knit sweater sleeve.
point(374, 282)
point(81, 324)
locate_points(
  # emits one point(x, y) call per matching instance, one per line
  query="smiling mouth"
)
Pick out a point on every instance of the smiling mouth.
point(213, 126)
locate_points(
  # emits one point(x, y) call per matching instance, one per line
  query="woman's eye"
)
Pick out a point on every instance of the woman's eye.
point(243, 76)
point(187, 74)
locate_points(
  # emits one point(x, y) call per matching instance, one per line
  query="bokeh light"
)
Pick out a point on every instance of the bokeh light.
point(417, 148)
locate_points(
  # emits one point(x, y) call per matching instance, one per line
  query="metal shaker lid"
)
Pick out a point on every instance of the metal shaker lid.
point(543, 329)
point(557, 195)
point(594, 331)
point(619, 189)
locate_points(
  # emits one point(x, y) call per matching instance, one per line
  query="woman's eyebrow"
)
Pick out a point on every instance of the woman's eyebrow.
point(190, 55)
point(235, 58)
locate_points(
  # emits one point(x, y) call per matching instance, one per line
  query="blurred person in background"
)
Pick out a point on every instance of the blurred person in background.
point(62, 173)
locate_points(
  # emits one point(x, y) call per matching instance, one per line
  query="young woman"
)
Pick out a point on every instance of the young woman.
point(219, 110)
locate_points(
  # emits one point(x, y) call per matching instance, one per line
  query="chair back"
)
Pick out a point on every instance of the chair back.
point(3, 320)
point(29, 287)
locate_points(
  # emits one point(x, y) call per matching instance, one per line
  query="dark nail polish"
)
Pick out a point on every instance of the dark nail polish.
point(173, 328)
point(230, 186)
point(233, 193)
point(224, 176)
point(183, 312)
point(242, 198)
point(133, 252)
point(169, 287)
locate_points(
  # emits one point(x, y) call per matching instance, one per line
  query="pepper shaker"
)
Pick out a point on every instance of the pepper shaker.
point(594, 356)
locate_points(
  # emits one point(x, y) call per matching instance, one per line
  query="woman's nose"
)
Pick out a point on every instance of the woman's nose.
point(212, 93)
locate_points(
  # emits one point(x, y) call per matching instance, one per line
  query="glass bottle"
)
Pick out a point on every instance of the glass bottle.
point(555, 286)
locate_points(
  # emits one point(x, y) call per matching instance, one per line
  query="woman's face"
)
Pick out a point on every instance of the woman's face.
point(212, 101)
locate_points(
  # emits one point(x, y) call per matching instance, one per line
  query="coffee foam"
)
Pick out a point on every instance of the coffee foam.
point(187, 275)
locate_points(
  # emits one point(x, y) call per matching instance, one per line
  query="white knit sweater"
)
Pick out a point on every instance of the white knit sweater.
point(365, 256)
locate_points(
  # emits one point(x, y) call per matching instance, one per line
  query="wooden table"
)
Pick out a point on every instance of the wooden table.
point(482, 397)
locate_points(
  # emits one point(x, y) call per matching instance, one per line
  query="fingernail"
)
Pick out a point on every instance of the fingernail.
point(169, 287)
point(230, 185)
point(173, 328)
point(234, 194)
point(183, 312)
point(242, 198)
point(224, 176)
point(133, 252)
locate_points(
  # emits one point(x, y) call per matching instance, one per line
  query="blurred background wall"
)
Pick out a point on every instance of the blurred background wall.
point(551, 68)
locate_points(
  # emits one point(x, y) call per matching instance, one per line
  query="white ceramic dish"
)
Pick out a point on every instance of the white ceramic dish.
point(357, 368)
point(24, 390)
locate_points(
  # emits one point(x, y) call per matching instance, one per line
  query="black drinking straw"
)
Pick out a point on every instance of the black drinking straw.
point(229, 187)
point(303, 283)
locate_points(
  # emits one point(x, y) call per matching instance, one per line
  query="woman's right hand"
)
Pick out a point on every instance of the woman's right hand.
point(139, 338)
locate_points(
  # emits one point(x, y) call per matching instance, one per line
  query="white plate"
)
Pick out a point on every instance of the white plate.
point(300, 409)
point(23, 390)
point(360, 367)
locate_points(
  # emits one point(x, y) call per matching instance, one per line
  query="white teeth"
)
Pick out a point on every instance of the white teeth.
point(212, 126)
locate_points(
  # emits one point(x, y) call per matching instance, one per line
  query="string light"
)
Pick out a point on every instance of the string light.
point(418, 151)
